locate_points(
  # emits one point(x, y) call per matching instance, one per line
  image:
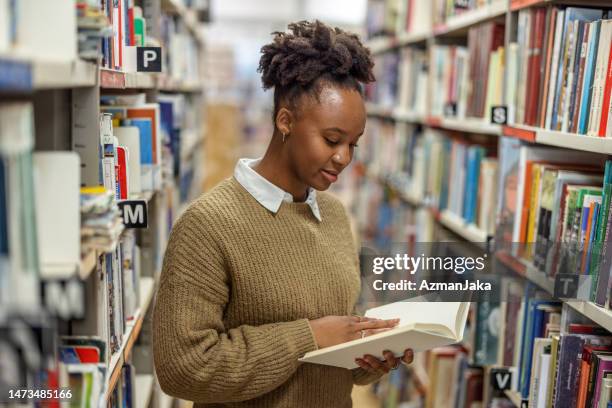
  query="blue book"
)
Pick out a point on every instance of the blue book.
point(535, 328)
point(587, 82)
point(591, 237)
point(571, 14)
point(472, 191)
point(146, 138)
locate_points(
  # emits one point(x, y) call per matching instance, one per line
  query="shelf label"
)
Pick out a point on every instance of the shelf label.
point(134, 213)
point(501, 379)
point(572, 286)
point(499, 115)
point(450, 109)
point(148, 59)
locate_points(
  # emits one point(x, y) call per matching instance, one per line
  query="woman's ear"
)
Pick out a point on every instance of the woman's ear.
point(284, 121)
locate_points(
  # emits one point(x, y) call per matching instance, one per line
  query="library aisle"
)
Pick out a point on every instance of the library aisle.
point(486, 138)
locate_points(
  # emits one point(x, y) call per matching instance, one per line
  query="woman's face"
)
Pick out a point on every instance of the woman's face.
point(324, 135)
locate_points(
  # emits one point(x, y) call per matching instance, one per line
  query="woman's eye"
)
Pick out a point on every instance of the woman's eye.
point(331, 142)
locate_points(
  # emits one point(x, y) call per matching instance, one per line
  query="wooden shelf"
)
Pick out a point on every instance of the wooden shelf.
point(460, 23)
point(469, 125)
point(379, 45)
point(166, 84)
point(408, 116)
point(23, 75)
point(599, 315)
point(143, 389)
point(112, 79)
point(560, 139)
point(470, 232)
point(147, 288)
point(72, 74)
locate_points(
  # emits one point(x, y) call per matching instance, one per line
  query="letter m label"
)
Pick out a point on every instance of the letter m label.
point(134, 213)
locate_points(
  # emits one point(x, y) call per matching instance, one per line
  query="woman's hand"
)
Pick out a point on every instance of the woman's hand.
point(375, 366)
point(332, 330)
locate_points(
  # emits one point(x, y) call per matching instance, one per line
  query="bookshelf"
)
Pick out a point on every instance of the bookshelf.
point(57, 95)
point(458, 24)
point(560, 139)
point(530, 127)
point(147, 288)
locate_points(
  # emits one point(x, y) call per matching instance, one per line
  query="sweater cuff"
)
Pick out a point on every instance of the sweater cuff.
point(362, 377)
point(301, 331)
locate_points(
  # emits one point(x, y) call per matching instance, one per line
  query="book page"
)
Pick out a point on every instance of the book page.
point(422, 314)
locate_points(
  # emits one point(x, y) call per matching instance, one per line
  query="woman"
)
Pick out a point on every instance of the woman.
point(263, 269)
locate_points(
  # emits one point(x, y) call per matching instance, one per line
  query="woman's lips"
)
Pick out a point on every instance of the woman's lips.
point(331, 177)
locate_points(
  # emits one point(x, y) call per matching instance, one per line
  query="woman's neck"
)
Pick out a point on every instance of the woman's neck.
point(274, 167)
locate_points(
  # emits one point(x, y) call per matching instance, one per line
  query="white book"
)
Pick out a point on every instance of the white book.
point(423, 326)
point(129, 136)
point(58, 217)
point(599, 80)
point(107, 142)
point(511, 80)
point(545, 361)
point(5, 24)
point(46, 30)
point(537, 371)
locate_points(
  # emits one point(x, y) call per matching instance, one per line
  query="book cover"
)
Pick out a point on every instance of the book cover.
point(587, 87)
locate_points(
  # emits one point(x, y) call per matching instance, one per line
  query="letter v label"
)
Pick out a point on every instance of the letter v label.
point(502, 380)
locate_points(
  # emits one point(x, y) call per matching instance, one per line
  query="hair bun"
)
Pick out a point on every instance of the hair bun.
point(310, 50)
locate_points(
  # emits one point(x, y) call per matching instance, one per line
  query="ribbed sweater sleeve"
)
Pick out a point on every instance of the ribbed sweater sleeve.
point(362, 377)
point(196, 357)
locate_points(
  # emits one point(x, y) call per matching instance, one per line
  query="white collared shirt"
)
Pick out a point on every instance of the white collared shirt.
point(266, 193)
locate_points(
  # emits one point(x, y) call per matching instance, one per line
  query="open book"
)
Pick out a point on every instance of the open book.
point(422, 326)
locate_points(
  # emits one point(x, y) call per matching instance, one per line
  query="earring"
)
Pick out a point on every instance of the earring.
point(284, 136)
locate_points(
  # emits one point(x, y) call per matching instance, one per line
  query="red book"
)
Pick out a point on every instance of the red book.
point(603, 123)
point(122, 176)
point(546, 62)
point(535, 58)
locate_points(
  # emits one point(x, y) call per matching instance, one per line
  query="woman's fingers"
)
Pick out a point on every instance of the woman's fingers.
point(408, 356)
point(376, 324)
point(375, 363)
point(390, 360)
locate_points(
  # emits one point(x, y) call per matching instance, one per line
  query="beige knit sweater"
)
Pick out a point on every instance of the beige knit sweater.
point(238, 286)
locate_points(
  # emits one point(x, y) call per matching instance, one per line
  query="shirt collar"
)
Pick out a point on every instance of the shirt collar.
point(267, 194)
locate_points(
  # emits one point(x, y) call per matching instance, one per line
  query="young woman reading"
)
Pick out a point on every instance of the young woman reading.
point(263, 268)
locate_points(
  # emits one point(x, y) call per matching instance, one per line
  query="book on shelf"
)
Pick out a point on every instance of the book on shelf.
point(467, 81)
point(443, 325)
point(569, 48)
point(57, 184)
point(396, 17)
point(19, 254)
point(412, 81)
